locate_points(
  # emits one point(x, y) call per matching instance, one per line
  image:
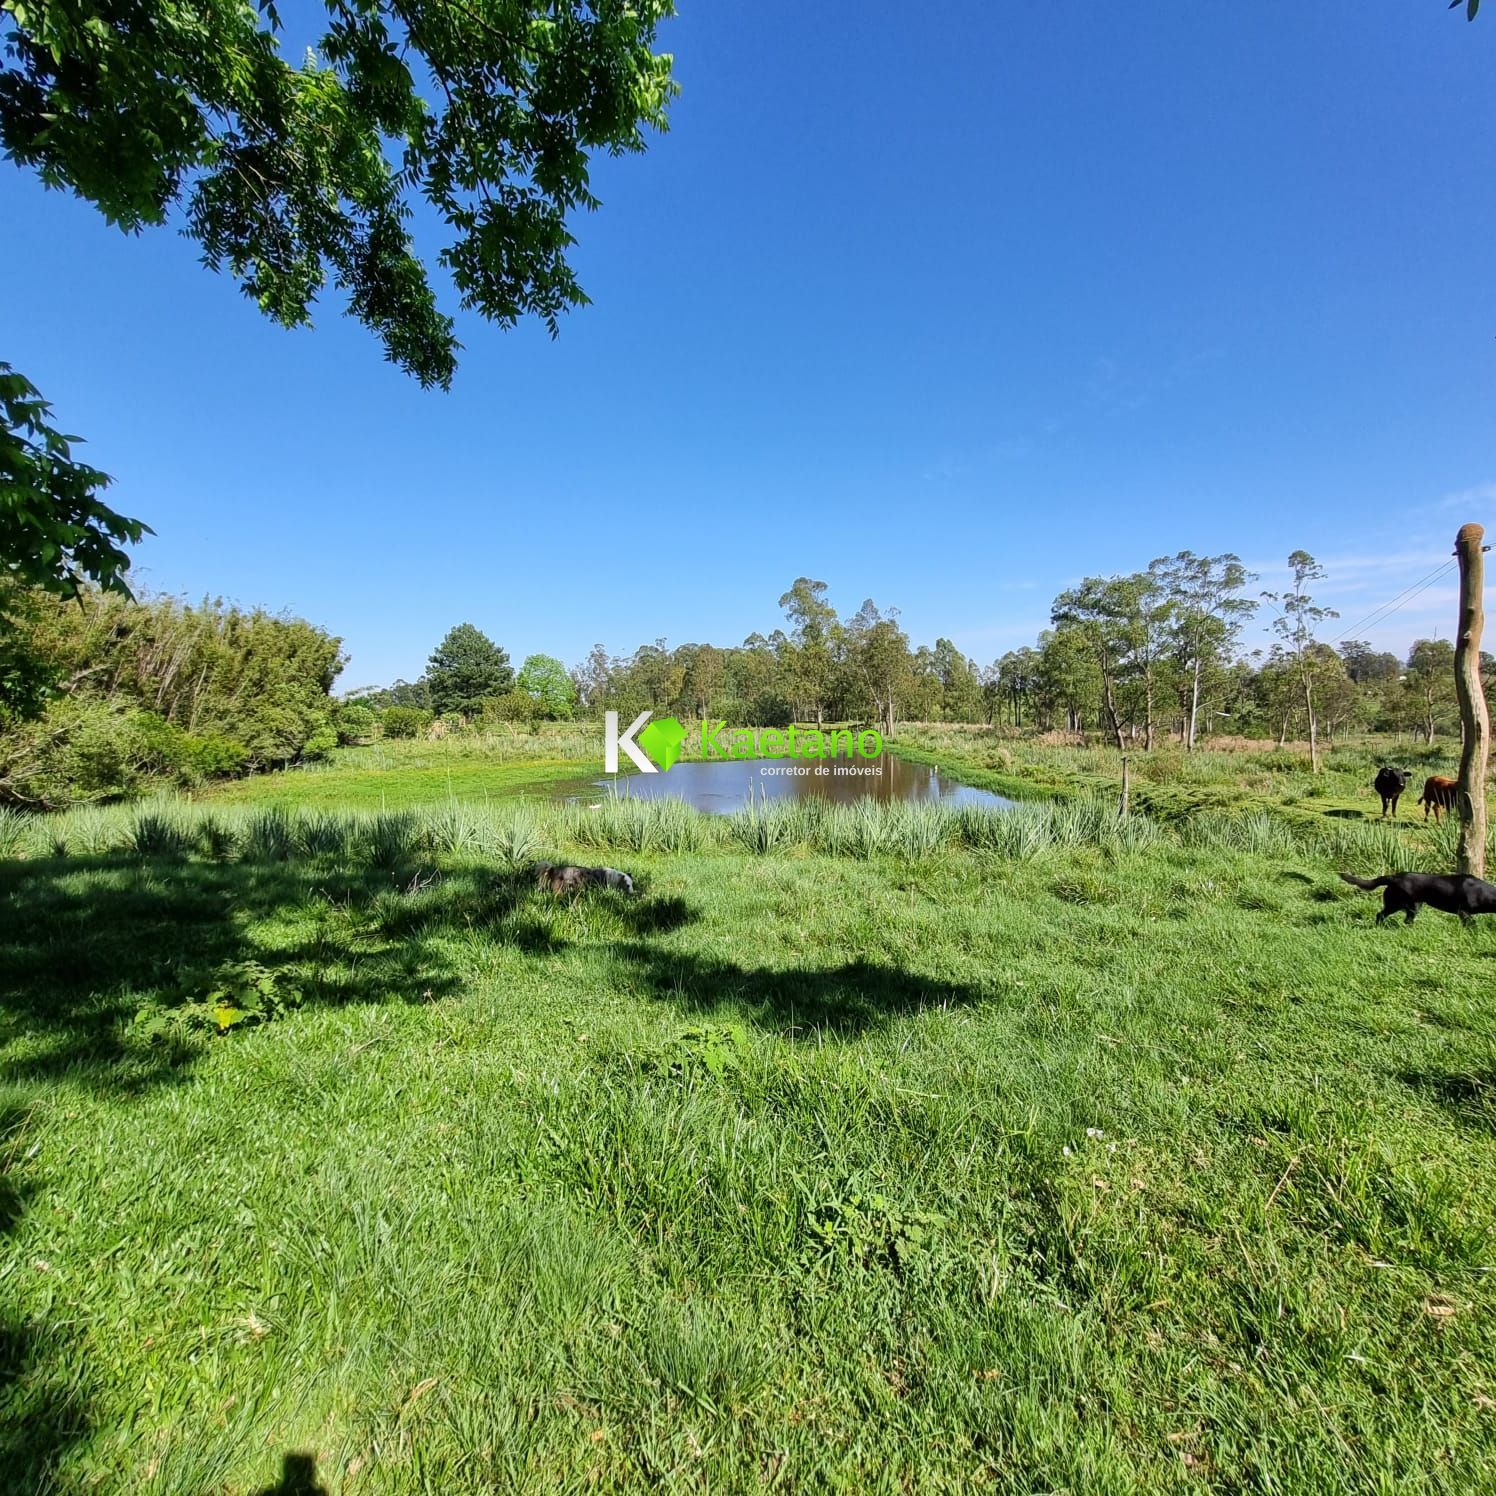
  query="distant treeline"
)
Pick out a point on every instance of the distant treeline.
point(1133, 658)
point(101, 697)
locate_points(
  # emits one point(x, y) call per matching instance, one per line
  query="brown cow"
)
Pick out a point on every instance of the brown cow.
point(1438, 794)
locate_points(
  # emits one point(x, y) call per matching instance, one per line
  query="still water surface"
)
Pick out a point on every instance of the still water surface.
point(726, 785)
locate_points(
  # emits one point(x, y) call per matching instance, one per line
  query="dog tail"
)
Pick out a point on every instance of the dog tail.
point(1367, 882)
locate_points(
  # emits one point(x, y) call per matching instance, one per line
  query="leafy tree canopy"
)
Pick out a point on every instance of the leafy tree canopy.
point(55, 531)
point(545, 679)
point(293, 174)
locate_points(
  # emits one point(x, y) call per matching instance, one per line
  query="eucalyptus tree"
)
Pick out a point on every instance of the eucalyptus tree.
point(960, 683)
point(878, 652)
point(811, 647)
point(1298, 617)
point(1015, 675)
point(1428, 685)
point(1068, 673)
point(1368, 666)
point(1120, 621)
point(1207, 614)
point(593, 677)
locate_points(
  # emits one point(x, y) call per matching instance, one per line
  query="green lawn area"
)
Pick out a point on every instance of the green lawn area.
point(1170, 783)
point(1114, 1167)
point(398, 776)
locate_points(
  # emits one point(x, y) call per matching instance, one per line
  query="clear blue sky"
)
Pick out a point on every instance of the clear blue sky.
point(946, 305)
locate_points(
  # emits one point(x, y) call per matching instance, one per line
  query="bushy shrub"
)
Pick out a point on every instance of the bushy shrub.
point(513, 706)
point(77, 750)
point(156, 746)
point(544, 679)
point(213, 757)
point(404, 721)
point(354, 723)
point(321, 742)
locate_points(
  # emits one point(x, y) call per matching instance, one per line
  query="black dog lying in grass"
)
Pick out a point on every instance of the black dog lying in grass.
point(1453, 893)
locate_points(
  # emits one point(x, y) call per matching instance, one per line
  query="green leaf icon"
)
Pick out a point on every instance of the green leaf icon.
point(661, 740)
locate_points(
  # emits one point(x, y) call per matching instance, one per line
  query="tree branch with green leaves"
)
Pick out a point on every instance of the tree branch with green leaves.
point(294, 176)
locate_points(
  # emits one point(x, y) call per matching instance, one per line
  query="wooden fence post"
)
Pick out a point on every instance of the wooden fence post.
point(1475, 720)
point(1125, 784)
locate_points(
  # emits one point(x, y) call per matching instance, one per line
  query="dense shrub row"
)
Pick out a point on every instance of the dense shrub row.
point(102, 697)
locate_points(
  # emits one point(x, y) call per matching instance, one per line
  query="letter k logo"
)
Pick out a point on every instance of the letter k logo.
point(660, 740)
point(614, 742)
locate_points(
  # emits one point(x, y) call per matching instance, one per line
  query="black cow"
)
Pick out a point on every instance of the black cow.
point(1389, 784)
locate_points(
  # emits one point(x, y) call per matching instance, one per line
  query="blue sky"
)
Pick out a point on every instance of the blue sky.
point(945, 305)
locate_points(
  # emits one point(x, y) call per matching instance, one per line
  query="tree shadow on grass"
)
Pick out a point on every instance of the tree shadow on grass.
point(1468, 1096)
point(86, 943)
point(90, 942)
point(795, 1001)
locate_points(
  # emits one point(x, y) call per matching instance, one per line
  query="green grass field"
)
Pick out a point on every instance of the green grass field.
point(861, 1151)
point(1170, 783)
point(400, 775)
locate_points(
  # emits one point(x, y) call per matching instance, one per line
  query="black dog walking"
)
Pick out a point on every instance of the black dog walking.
point(1453, 893)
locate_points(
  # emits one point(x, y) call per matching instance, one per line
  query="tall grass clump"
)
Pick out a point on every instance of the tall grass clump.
point(1255, 832)
point(461, 830)
point(158, 833)
point(1021, 834)
point(764, 826)
point(859, 830)
point(1083, 822)
point(637, 825)
point(14, 827)
point(391, 838)
point(620, 822)
point(516, 839)
point(321, 833)
point(1017, 834)
point(94, 830)
point(218, 836)
point(1134, 833)
point(269, 836)
point(1374, 848)
point(678, 827)
point(918, 830)
point(1444, 842)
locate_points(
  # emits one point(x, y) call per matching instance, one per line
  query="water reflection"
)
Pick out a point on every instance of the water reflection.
point(725, 785)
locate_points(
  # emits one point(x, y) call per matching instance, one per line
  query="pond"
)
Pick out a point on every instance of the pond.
point(725, 785)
